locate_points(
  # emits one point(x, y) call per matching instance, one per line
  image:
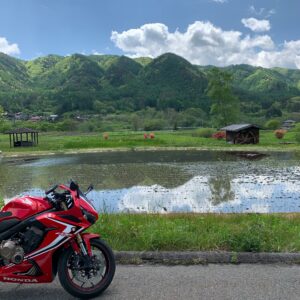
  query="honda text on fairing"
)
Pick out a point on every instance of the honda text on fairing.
point(40, 237)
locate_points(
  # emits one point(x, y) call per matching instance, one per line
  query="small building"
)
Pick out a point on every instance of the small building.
point(23, 137)
point(242, 134)
point(53, 118)
point(35, 119)
point(288, 124)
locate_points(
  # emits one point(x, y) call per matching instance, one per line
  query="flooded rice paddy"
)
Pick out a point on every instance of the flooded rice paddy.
point(165, 181)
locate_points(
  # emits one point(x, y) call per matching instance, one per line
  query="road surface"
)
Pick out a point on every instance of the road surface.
point(182, 282)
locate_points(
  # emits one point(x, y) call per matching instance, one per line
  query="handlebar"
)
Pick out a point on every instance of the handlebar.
point(51, 190)
point(56, 198)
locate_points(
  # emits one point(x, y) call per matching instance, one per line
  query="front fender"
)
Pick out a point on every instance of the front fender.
point(87, 237)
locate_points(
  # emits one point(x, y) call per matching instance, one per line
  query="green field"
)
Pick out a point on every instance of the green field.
point(230, 232)
point(201, 232)
point(64, 142)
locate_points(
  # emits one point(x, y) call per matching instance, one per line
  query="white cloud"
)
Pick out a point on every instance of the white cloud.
point(257, 25)
point(7, 48)
point(203, 43)
point(220, 1)
point(288, 56)
point(270, 13)
point(95, 52)
point(255, 11)
point(263, 12)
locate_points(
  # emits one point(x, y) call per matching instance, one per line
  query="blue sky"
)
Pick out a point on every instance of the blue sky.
point(218, 32)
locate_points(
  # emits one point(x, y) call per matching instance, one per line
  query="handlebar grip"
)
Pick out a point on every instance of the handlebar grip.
point(51, 190)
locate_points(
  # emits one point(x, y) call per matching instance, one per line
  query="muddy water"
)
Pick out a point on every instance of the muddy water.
point(165, 181)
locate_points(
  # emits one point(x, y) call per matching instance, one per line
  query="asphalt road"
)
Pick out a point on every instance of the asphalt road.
point(182, 282)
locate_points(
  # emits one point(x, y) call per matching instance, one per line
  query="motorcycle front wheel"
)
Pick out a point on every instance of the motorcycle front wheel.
point(84, 279)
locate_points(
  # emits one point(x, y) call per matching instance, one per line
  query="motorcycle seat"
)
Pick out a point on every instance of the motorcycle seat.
point(6, 224)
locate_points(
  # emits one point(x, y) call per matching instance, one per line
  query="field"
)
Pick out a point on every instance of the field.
point(66, 142)
point(202, 232)
point(230, 232)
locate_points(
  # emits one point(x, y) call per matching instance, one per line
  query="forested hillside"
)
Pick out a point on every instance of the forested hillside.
point(110, 83)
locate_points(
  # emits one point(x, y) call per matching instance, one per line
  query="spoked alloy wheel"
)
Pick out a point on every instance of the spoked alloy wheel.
point(87, 278)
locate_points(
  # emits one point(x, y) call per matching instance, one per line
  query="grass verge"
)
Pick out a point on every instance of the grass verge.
point(201, 232)
point(64, 142)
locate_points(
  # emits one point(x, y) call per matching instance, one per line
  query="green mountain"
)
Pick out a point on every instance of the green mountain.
point(90, 83)
point(72, 72)
point(143, 60)
point(122, 71)
point(13, 74)
point(171, 81)
point(259, 83)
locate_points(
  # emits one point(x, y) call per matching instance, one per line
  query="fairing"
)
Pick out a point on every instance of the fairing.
point(27, 206)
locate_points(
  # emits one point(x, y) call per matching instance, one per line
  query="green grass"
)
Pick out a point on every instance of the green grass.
point(201, 232)
point(61, 142)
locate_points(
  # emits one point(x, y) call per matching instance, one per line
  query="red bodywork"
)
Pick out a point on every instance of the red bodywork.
point(61, 235)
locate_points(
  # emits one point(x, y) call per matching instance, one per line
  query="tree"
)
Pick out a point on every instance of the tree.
point(272, 124)
point(273, 111)
point(136, 122)
point(225, 107)
point(1, 114)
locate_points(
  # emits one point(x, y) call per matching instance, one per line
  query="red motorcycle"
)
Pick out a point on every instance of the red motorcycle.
point(40, 237)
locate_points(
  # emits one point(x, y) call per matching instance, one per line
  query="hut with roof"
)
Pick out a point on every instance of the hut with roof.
point(242, 134)
point(23, 137)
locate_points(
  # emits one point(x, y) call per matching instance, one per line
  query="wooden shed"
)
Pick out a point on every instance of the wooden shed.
point(242, 134)
point(23, 137)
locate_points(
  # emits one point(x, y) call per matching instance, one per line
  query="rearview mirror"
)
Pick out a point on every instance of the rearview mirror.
point(90, 188)
point(74, 186)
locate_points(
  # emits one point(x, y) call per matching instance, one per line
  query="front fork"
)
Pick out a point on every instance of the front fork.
point(82, 247)
point(82, 243)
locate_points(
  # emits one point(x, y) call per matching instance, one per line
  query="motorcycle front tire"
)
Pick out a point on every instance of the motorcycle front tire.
point(86, 293)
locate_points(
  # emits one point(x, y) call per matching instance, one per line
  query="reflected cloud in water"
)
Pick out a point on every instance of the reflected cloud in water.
point(200, 195)
point(197, 196)
point(168, 182)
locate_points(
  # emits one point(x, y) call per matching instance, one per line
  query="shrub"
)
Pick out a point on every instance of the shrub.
point(5, 126)
point(272, 124)
point(279, 133)
point(46, 126)
point(219, 135)
point(67, 125)
point(297, 137)
point(297, 127)
point(203, 132)
point(155, 124)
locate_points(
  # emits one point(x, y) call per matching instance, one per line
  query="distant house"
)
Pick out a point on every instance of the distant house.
point(35, 118)
point(242, 134)
point(53, 118)
point(288, 124)
point(20, 116)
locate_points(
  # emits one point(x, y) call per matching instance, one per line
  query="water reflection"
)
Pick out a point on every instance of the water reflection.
point(196, 195)
point(190, 181)
point(220, 188)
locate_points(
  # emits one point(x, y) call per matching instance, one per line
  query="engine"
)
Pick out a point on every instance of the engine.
point(11, 251)
point(14, 249)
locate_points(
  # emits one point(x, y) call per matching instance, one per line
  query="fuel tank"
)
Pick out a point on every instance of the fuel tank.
point(27, 206)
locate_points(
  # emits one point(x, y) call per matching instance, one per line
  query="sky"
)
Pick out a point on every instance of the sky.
point(217, 32)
